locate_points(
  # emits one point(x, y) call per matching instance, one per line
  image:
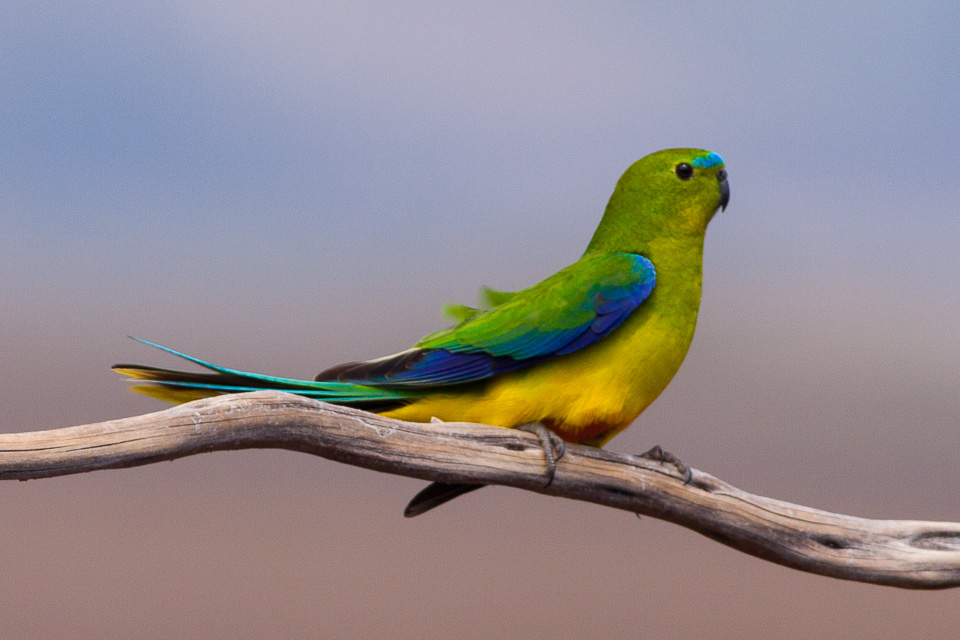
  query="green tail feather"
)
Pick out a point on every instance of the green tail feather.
point(182, 386)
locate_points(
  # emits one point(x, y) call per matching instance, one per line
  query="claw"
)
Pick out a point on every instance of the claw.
point(658, 454)
point(438, 493)
point(552, 444)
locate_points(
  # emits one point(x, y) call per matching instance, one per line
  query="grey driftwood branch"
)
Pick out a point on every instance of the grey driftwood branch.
point(901, 553)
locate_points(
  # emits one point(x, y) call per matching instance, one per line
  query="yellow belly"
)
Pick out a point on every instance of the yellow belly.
point(588, 396)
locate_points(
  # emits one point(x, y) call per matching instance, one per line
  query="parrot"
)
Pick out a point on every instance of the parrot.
point(575, 358)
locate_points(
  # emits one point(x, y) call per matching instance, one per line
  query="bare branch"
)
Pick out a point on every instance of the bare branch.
point(901, 553)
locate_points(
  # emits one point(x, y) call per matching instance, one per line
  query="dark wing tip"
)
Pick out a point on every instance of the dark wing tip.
point(333, 373)
point(379, 370)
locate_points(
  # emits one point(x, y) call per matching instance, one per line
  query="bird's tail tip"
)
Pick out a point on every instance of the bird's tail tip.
point(182, 386)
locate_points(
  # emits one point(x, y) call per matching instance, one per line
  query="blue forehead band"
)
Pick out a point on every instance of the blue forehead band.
point(710, 160)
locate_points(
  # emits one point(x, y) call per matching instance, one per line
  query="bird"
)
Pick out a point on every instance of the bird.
point(575, 358)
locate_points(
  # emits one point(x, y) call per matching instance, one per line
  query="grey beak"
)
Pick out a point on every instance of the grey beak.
point(724, 189)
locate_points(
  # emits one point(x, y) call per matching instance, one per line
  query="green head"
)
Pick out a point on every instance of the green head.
point(667, 196)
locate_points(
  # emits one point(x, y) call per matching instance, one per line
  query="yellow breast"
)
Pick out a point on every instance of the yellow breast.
point(587, 396)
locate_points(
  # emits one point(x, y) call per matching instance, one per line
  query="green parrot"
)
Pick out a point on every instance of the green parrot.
point(575, 358)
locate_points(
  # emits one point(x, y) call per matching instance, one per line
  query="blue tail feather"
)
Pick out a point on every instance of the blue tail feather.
point(226, 380)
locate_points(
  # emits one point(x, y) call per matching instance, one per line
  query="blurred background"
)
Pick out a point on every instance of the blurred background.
point(281, 187)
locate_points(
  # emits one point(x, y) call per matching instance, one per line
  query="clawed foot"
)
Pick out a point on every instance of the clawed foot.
point(657, 454)
point(552, 444)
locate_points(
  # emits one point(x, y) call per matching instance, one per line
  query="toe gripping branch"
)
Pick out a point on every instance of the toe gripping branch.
point(552, 445)
point(658, 454)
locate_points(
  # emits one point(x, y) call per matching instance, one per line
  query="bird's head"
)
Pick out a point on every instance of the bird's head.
point(668, 194)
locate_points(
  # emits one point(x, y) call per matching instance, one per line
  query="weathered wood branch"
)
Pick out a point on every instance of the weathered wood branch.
point(901, 553)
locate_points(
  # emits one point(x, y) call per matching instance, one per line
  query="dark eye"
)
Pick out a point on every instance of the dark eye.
point(722, 175)
point(683, 171)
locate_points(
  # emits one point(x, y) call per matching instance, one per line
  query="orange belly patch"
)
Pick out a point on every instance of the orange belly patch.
point(578, 433)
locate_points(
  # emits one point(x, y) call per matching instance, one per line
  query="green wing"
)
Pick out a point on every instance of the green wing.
point(568, 311)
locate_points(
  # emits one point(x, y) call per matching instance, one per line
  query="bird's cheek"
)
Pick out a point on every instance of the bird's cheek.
point(694, 219)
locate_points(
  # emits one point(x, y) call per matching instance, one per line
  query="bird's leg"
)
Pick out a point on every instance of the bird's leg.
point(552, 444)
point(438, 493)
point(658, 454)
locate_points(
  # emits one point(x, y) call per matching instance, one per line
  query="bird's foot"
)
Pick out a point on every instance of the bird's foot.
point(552, 444)
point(658, 454)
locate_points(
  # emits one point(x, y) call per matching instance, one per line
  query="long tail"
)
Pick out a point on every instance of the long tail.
point(183, 386)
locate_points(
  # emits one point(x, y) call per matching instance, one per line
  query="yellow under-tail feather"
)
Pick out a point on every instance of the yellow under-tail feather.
point(169, 394)
point(173, 395)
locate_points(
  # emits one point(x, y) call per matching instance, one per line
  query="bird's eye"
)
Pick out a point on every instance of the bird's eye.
point(722, 175)
point(684, 171)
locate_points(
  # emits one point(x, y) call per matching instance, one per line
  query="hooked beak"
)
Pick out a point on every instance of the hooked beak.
point(724, 189)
